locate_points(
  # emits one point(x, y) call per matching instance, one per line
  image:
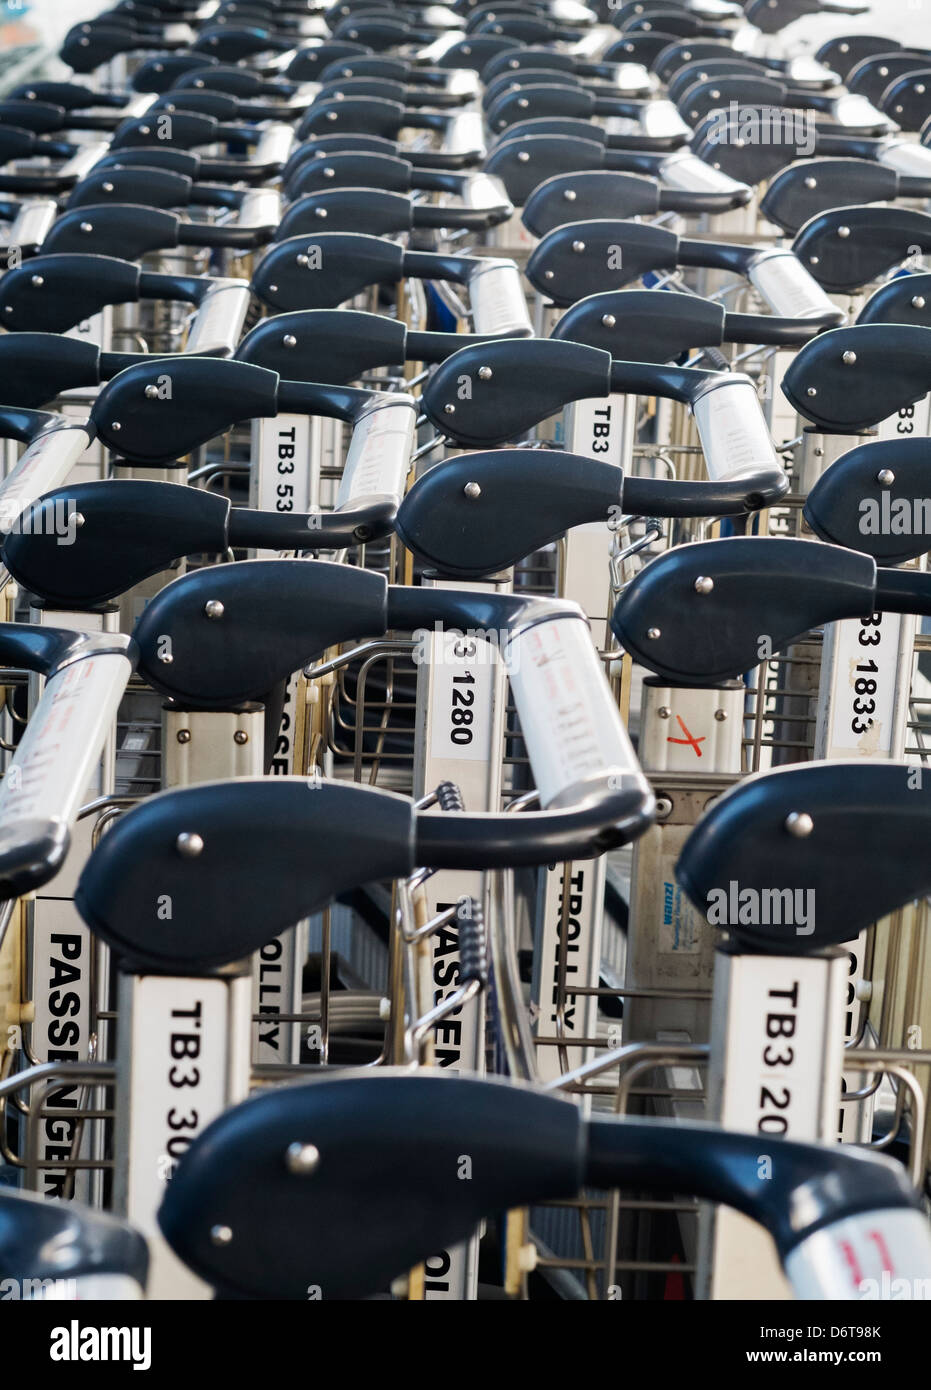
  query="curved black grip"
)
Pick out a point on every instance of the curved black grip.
point(847, 248)
point(870, 499)
point(530, 379)
point(274, 851)
point(51, 294)
point(324, 270)
point(850, 379)
point(349, 169)
point(331, 345)
point(129, 530)
point(184, 130)
point(159, 412)
point(864, 855)
point(355, 116)
point(277, 615)
point(764, 592)
point(161, 71)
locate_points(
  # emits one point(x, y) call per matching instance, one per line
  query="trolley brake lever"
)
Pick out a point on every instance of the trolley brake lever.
point(661, 127)
point(606, 194)
point(711, 611)
point(851, 379)
point(804, 190)
point(131, 231)
point(847, 248)
point(871, 498)
point(527, 1146)
point(469, 516)
point(582, 258)
point(382, 213)
point(152, 413)
point(805, 826)
point(130, 529)
point(490, 393)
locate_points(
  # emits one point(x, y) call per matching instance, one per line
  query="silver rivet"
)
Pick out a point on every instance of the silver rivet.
point(332, 115)
point(213, 608)
point(221, 1235)
point(664, 712)
point(812, 391)
point(302, 259)
point(919, 301)
point(814, 260)
point(850, 359)
point(76, 519)
point(720, 715)
point(115, 426)
point(321, 212)
point(843, 233)
point(663, 807)
point(472, 491)
point(578, 247)
point(151, 393)
point(108, 187)
point(608, 320)
point(38, 281)
point(301, 1159)
point(485, 374)
point(329, 173)
point(523, 157)
point(704, 584)
point(289, 340)
point(145, 130)
point(811, 183)
point(87, 227)
point(189, 844)
point(885, 477)
point(273, 289)
point(241, 737)
point(184, 735)
point(549, 275)
point(570, 195)
point(523, 103)
point(449, 409)
point(799, 824)
point(654, 633)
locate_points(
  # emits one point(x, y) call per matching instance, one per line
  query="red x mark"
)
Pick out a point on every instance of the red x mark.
point(690, 740)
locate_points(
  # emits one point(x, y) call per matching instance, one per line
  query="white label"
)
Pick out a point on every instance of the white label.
point(907, 157)
point(285, 467)
point(862, 699)
point(787, 287)
point(62, 950)
point(219, 320)
point(462, 673)
point(597, 429)
point(693, 175)
point(777, 1047)
point(59, 752)
point(911, 421)
point(379, 456)
point(43, 467)
point(571, 725)
point(578, 890)
point(732, 430)
point(499, 305)
point(873, 1256)
point(178, 1051)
